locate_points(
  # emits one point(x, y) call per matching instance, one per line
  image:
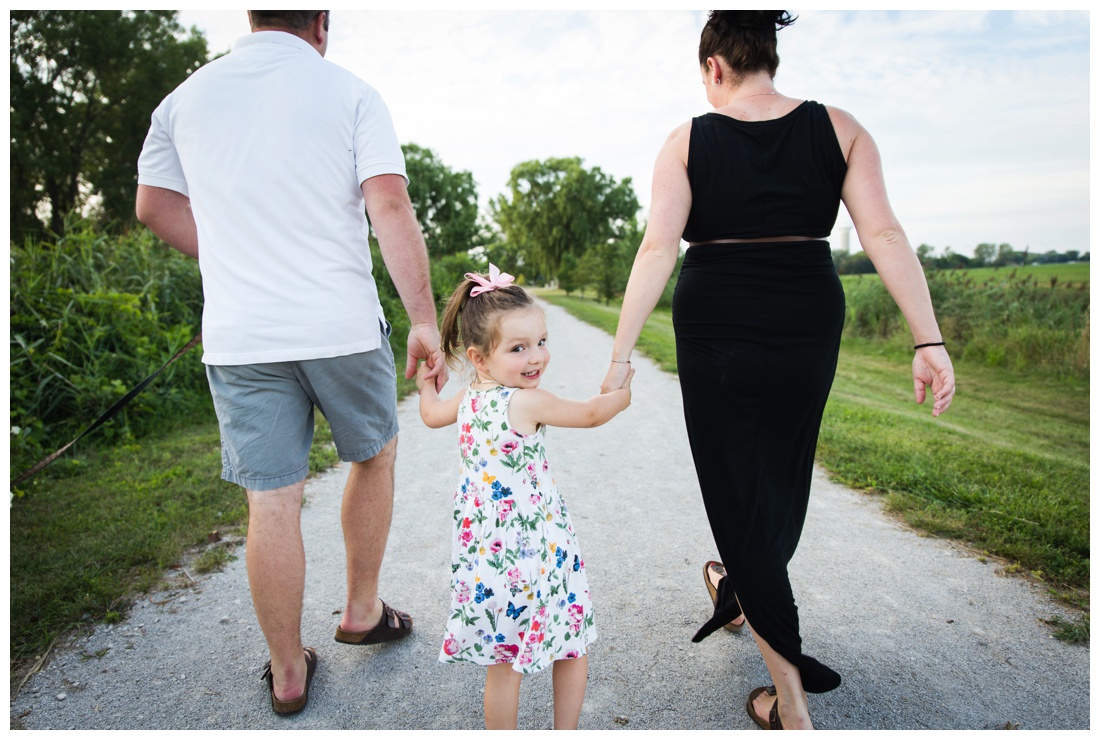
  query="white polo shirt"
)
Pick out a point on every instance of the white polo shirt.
point(271, 143)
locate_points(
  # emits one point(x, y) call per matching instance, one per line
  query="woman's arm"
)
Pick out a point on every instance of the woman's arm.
point(534, 406)
point(435, 411)
point(656, 258)
point(884, 241)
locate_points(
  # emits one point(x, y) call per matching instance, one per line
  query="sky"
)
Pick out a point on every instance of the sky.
point(982, 117)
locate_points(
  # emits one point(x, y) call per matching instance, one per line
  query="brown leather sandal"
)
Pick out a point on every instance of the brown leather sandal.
point(713, 590)
point(394, 625)
point(772, 722)
point(294, 705)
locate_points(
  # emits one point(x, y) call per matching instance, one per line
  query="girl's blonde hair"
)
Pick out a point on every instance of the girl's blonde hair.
point(473, 321)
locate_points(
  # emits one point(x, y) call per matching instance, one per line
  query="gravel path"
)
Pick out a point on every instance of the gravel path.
point(924, 634)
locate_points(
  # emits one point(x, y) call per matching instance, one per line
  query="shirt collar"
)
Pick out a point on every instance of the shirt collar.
point(272, 37)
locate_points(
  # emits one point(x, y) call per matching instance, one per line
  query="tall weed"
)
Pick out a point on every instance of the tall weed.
point(999, 320)
point(92, 314)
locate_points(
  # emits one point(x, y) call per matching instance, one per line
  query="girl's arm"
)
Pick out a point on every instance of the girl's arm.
point(656, 258)
point(534, 406)
point(884, 241)
point(435, 411)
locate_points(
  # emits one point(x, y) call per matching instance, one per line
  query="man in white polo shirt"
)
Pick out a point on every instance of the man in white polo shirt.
point(260, 165)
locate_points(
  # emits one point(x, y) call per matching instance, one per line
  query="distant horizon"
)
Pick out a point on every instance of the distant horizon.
point(982, 117)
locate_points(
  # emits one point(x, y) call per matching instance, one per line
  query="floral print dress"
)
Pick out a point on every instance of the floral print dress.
point(519, 593)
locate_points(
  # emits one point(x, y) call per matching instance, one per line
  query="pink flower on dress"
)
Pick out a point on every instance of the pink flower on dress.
point(450, 645)
point(496, 545)
point(475, 404)
point(572, 654)
point(462, 593)
point(505, 509)
point(466, 537)
point(505, 653)
point(509, 447)
point(576, 616)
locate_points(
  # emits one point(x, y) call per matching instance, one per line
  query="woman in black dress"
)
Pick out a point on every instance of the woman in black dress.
point(754, 188)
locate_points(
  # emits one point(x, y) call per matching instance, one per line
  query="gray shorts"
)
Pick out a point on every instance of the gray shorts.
point(265, 412)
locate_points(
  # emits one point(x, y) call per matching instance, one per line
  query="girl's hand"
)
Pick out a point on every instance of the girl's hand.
point(618, 376)
point(932, 367)
point(423, 375)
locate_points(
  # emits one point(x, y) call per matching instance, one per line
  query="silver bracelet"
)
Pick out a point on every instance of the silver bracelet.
point(622, 361)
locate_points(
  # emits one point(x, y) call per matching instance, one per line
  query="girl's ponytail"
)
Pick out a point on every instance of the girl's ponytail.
point(449, 332)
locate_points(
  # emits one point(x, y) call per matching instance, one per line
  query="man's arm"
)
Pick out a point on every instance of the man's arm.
point(167, 213)
point(394, 222)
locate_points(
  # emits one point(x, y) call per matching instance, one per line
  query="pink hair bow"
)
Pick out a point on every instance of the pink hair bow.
point(497, 279)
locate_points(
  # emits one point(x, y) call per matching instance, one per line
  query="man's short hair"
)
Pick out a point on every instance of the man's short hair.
point(291, 20)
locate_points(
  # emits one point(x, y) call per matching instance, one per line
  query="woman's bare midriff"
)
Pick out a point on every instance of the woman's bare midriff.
point(761, 239)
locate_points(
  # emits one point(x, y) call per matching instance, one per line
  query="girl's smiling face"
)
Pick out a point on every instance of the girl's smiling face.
point(520, 356)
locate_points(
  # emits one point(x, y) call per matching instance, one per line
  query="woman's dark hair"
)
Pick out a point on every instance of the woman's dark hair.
point(744, 38)
point(291, 20)
point(472, 321)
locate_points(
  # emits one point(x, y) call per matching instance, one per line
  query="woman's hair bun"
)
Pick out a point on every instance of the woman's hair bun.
point(727, 20)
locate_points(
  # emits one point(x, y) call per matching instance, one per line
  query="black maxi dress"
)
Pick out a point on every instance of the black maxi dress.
point(757, 335)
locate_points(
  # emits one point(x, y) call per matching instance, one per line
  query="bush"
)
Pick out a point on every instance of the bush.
point(91, 316)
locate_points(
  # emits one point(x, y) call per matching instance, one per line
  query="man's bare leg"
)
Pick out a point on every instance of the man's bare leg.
point(365, 514)
point(276, 561)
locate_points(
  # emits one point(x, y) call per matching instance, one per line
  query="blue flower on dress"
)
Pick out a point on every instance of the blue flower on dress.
point(562, 555)
point(572, 598)
point(482, 593)
point(501, 638)
point(500, 491)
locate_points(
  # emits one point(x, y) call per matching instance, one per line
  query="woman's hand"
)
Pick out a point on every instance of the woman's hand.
point(618, 376)
point(932, 367)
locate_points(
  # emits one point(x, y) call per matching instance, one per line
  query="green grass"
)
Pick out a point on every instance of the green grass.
point(1074, 273)
point(102, 525)
point(1006, 470)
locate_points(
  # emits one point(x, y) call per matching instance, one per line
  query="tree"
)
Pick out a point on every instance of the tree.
point(570, 277)
point(1006, 255)
point(83, 85)
point(445, 202)
point(558, 207)
point(606, 266)
point(925, 252)
point(985, 253)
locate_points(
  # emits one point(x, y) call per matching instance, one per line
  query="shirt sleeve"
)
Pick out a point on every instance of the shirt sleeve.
point(377, 151)
point(159, 163)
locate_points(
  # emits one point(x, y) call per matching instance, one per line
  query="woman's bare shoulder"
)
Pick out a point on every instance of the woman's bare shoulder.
point(847, 128)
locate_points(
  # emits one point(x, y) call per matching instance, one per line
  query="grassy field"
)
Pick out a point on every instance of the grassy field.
point(1072, 273)
point(100, 526)
point(1006, 470)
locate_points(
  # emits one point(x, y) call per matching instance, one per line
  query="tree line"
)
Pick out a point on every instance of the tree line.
point(84, 83)
point(985, 255)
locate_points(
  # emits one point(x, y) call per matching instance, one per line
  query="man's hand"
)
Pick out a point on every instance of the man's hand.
point(423, 344)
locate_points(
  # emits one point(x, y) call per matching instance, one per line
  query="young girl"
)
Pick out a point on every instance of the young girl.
point(519, 594)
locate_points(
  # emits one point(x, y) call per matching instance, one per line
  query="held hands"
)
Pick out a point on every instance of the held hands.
point(932, 367)
point(618, 376)
point(423, 377)
point(423, 344)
